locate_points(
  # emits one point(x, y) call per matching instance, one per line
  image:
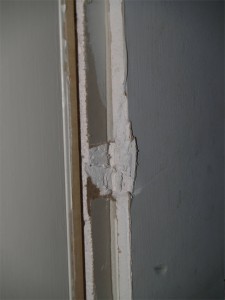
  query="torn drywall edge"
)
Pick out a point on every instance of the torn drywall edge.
point(88, 245)
point(66, 134)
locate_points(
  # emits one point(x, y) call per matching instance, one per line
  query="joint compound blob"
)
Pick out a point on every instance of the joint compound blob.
point(112, 167)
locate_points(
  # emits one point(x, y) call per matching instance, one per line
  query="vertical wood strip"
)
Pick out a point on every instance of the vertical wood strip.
point(77, 231)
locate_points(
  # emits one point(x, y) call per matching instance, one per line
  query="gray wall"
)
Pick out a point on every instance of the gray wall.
point(175, 92)
point(33, 244)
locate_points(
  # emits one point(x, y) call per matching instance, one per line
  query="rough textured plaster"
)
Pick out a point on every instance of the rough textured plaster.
point(112, 167)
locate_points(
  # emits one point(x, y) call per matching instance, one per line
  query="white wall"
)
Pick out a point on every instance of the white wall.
point(33, 244)
point(175, 92)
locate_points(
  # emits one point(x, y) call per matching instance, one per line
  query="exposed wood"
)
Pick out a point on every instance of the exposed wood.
point(77, 231)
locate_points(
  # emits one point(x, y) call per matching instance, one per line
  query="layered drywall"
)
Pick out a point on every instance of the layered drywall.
point(99, 208)
point(176, 89)
point(33, 238)
point(108, 148)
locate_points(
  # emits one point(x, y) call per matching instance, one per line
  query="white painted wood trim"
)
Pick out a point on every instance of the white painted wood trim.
point(66, 135)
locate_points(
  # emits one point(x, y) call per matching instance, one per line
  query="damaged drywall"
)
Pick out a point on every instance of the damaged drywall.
point(108, 167)
point(98, 210)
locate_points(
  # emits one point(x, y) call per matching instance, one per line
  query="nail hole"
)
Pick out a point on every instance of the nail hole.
point(161, 269)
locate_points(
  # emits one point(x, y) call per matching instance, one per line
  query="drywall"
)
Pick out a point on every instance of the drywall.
point(108, 148)
point(33, 239)
point(175, 92)
point(92, 84)
point(99, 208)
point(123, 157)
point(96, 75)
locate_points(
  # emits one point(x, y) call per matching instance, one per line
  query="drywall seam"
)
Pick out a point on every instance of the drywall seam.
point(82, 68)
point(66, 133)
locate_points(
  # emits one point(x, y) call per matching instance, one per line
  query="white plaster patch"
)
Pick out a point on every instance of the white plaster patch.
point(112, 167)
point(99, 169)
point(123, 161)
